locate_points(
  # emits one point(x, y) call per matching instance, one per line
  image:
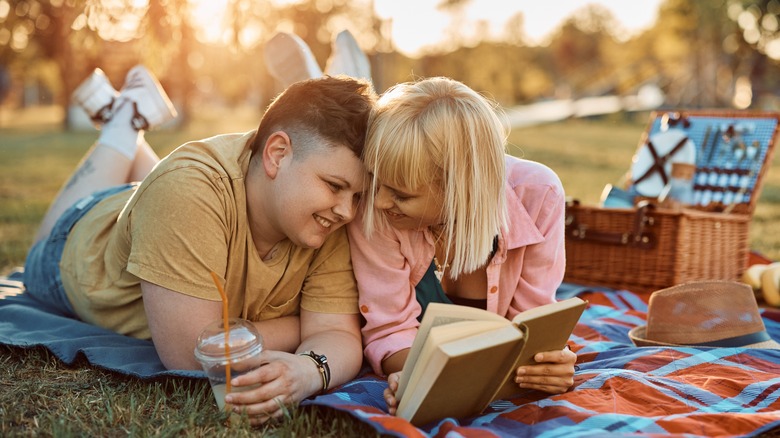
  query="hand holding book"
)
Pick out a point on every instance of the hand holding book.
point(462, 358)
point(554, 374)
point(389, 393)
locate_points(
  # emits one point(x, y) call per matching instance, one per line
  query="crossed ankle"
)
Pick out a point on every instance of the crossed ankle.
point(151, 105)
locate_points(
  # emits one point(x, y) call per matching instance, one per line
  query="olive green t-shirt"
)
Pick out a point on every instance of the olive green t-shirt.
point(186, 219)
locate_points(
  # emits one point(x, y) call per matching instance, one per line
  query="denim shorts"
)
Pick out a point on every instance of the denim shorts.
point(42, 277)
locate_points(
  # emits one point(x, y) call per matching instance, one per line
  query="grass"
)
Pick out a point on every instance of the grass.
point(42, 396)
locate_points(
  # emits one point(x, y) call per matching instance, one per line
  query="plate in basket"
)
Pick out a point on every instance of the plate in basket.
point(663, 142)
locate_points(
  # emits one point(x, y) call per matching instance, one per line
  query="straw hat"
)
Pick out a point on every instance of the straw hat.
point(703, 314)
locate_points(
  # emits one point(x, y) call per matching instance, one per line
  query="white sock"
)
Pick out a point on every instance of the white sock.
point(119, 134)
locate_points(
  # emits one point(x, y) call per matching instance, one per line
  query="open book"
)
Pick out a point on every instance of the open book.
point(463, 358)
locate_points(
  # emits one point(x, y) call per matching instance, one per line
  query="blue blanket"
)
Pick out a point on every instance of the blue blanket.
point(619, 389)
point(26, 322)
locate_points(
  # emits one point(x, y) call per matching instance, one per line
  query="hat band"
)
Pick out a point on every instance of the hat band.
point(739, 341)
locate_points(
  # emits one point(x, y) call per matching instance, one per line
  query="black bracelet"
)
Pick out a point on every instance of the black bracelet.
point(322, 366)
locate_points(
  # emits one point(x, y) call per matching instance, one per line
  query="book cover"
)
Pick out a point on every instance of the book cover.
point(546, 328)
point(439, 314)
point(463, 357)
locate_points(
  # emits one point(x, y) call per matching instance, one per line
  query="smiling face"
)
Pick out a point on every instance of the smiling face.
point(410, 209)
point(319, 194)
point(435, 148)
point(302, 198)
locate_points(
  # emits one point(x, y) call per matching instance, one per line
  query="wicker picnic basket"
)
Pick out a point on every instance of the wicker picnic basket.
point(656, 245)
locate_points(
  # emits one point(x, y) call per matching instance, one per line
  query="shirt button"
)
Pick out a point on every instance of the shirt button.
point(364, 308)
point(494, 289)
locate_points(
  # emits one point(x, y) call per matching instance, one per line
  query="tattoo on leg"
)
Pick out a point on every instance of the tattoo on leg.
point(84, 169)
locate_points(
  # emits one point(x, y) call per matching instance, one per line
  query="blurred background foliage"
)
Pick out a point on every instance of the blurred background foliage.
point(701, 54)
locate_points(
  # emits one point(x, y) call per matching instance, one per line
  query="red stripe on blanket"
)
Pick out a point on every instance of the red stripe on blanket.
point(761, 397)
point(720, 424)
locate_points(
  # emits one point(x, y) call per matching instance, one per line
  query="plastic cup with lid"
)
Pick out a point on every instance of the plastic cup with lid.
point(244, 344)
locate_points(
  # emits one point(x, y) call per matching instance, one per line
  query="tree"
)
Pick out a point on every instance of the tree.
point(34, 36)
point(756, 38)
point(578, 51)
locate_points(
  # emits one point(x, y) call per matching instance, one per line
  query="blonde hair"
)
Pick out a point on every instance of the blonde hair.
point(438, 132)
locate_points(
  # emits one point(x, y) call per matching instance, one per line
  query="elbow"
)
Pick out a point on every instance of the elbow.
point(173, 361)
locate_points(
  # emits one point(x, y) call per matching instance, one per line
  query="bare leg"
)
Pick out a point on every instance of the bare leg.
point(108, 163)
point(121, 154)
point(145, 160)
point(101, 168)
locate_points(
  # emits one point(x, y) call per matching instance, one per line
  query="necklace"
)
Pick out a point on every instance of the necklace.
point(437, 233)
point(439, 268)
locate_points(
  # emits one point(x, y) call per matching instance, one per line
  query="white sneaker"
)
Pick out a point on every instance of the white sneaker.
point(96, 96)
point(347, 58)
point(152, 106)
point(289, 59)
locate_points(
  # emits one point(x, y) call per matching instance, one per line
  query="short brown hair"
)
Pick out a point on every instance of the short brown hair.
point(334, 108)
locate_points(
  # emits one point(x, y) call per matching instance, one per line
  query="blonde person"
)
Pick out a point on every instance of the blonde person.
point(450, 217)
point(130, 242)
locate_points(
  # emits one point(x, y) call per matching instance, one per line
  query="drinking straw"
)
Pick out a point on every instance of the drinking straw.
point(226, 323)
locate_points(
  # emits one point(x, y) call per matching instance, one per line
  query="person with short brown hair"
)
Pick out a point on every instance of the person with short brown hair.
point(264, 210)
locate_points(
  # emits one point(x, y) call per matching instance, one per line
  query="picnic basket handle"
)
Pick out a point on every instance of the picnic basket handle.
point(639, 237)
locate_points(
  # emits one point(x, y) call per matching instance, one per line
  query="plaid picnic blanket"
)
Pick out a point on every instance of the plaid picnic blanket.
point(619, 389)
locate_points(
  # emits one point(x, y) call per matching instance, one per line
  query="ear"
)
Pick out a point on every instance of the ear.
point(277, 148)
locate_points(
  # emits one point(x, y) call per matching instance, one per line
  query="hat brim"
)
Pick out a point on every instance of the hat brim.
point(638, 336)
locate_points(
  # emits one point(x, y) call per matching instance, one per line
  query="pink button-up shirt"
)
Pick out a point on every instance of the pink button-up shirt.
point(524, 273)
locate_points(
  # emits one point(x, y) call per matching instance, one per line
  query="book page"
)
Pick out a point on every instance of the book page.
point(437, 314)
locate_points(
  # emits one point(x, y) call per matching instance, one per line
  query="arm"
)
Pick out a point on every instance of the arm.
point(175, 332)
point(289, 378)
point(336, 336)
point(395, 362)
point(392, 366)
point(282, 334)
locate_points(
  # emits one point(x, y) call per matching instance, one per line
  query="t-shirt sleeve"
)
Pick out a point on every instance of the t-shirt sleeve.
point(179, 231)
point(330, 285)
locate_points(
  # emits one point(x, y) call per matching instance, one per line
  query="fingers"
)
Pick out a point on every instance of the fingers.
point(553, 381)
point(390, 400)
point(554, 374)
point(258, 402)
point(550, 389)
point(560, 356)
point(389, 392)
point(393, 380)
point(263, 393)
point(260, 413)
